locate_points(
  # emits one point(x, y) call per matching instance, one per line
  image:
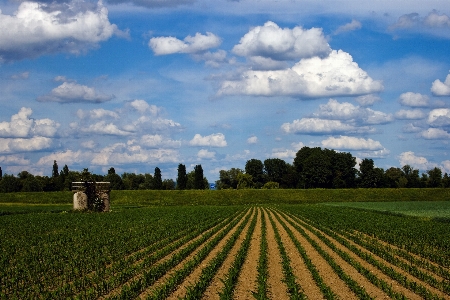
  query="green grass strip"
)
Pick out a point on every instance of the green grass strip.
point(168, 287)
point(294, 289)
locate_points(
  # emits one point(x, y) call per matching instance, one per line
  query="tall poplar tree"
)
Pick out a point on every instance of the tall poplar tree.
point(182, 177)
point(199, 183)
point(157, 179)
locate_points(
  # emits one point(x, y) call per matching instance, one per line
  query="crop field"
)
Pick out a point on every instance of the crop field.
point(307, 251)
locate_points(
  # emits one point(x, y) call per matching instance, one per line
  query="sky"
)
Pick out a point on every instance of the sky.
point(139, 84)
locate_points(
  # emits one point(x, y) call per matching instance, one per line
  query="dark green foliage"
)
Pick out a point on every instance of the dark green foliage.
point(434, 178)
point(275, 169)
point(182, 177)
point(55, 172)
point(255, 168)
point(198, 178)
point(1, 173)
point(157, 179)
point(115, 181)
point(228, 179)
point(10, 184)
point(369, 176)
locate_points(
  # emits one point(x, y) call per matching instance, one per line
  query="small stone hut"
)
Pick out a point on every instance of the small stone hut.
point(80, 199)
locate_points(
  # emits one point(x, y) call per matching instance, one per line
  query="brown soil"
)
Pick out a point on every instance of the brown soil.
point(181, 264)
point(195, 275)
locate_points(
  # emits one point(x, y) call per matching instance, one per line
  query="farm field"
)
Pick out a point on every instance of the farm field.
point(303, 251)
point(425, 209)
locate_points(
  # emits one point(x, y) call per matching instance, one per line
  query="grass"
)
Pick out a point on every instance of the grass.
point(423, 209)
point(233, 197)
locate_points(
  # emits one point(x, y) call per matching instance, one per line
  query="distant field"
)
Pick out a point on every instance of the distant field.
point(426, 209)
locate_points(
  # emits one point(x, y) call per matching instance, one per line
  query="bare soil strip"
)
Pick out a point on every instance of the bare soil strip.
point(390, 247)
point(118, 289)
point(372, 290)
point(277, 288)
point(301, 272)
point(180, 292)
point(249, 270)
point(338, 286)
point(396, 286)
point(169, 274)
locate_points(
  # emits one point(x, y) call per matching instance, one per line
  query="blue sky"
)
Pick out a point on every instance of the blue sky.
point(141, 84)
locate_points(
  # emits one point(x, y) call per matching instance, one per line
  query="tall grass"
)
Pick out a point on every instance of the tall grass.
point(233, 197)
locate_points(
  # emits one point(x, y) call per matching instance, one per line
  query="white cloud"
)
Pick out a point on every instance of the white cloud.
point(143, 107)
point(89, 144)
point(367, 100)
point(283, 153)
point(252, 140)
point(205, 154)
point(23, 75)
point(9, 145)
point(22, 126)
point(315, 126)
point(277, 43)
point(347, 111)
point(69, 92)
point(67, 157)
point(213, 140)
point(191, 44)
point(39, 28)
point(353, 25)
point(439, 88)
point(335, 75)
point(435, 134)
point(351, 143)
point(99, 113)
point(414, 99)
point(103, 127)
point(154, 3)
point(158, 141)
point(409, 114)
point(14, 160)
point(439, 117)
point(417, 162)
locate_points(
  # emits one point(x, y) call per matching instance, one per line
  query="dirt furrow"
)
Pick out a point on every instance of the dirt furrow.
point(301, 272)
point(373, 269)
point(277, 289)
point(326, 272)
point(372, 290)
point(180, 292)
point(243, 289)
point(118, 289)
point(163, 279)
point(246, 283)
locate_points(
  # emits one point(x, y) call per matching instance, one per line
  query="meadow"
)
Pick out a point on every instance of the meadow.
point(339, 244)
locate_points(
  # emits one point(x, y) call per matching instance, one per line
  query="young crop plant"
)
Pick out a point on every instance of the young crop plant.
point(263, 268)
point(294, 289)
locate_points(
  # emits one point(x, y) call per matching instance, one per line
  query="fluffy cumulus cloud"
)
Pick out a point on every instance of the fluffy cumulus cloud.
point(22, 126)
point(154, 3)
point(439, 117)
point(434, 23)
point(417, 162)
point(191, 44)
point(271, 41)
point(316, 126)
point(347, 111)
point(252, 140)
point(332, 76)
point(158, 141)
point(37, 143)
point(40, 28)
point(410, 114)
point(14, 159)
point(353, 25)
point(414, 100)
point(367, 100)
point(204, 154)
point(213, 140)
point(439, 88)
point(351, 143)
point(70, 92)
point(435, 134)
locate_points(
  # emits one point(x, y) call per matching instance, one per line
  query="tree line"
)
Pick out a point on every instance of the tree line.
point(324, 168)
point(62, 180)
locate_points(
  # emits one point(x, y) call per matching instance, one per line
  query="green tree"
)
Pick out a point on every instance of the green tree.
point(395, 178)
point(343, 168)
point(1, 173)
point(198, 178)
point(31, 184)
point(157, 179)
point(412, 176)
point(434, 177)
point(270, 185)
point(369, 176)
point(55, 171)
point(245, 181)
point(228, 179)
point(168, 184)
point(115, 181)
point(255, 168)
point(10, 184)
point(446, 181)
point(182, 177)
point(275, 169)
